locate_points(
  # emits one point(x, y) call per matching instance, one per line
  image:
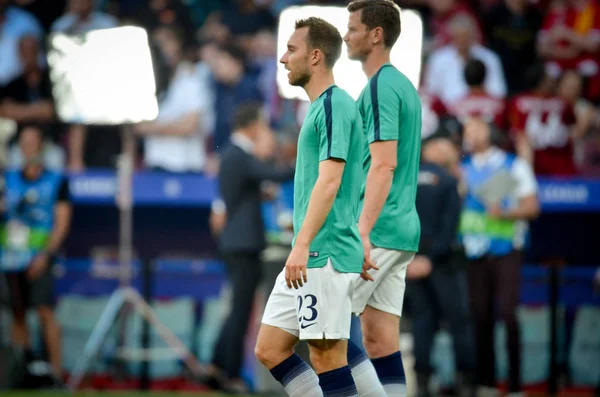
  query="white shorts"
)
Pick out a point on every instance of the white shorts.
point(321, 309)
point(386, 293)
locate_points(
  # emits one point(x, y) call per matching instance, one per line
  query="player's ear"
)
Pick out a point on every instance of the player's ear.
point(315, 56)
point(377, 35)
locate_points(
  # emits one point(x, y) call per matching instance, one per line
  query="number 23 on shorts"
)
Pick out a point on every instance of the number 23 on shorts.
point(307, 313)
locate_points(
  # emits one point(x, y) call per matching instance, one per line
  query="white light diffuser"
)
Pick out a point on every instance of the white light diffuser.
point(103, 77)
point(405, 55)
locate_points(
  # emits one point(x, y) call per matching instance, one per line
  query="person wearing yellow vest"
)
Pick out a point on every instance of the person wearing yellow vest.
point(501, 197)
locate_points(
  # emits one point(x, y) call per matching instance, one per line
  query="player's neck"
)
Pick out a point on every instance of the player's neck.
point(374, 62)
point(319, 82)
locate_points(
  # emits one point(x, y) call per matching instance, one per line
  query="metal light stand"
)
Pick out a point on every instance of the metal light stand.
point(125, 294)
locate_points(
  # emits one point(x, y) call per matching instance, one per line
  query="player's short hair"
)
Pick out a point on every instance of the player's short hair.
point(247, 114)
point(380, 13)
point(475, 72)
point(323, 36)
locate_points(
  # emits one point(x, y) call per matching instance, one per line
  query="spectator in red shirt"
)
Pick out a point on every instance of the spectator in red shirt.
point(570, 39)
point(478, 103)
point(541, 122)
point(585, 131)
point(443, 12)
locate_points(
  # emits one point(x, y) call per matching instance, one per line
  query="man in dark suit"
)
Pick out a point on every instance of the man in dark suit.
point(436, 285)
point(243, 236)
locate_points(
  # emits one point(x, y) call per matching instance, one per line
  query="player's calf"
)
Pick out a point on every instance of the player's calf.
point(363, 372)
point(330, 362)
point(381, 337)
point(274, 349)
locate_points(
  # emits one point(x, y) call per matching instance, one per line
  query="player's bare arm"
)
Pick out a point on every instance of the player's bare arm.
point(379, 183)
point(320, 203)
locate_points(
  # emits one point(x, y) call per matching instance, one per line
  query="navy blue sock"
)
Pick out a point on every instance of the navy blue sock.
point(297, 377)
point(338, 383)
point(391, 374)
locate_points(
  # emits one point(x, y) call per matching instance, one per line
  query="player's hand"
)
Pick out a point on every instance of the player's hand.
point(38, 266)
point(295, 267)
point(419, 268)
point(368, 264)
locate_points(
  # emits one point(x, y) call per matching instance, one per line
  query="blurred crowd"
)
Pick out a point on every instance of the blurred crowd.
point(534, 73)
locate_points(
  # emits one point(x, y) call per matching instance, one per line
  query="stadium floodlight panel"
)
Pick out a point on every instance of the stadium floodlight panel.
point(103, 77)
point(405, 55)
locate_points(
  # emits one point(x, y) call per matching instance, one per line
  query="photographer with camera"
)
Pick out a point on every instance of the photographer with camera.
point(38, 217)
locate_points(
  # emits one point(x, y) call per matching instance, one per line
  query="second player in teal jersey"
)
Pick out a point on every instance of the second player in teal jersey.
point(389, 224)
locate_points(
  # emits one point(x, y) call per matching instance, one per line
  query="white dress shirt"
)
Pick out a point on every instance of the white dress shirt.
point(183, 97)
point(445, 78)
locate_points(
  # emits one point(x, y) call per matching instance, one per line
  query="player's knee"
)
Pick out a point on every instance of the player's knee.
point(327, 355)
point(269, 355)
point(381, 340)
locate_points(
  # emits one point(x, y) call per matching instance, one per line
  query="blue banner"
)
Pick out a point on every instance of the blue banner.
point(163, 189)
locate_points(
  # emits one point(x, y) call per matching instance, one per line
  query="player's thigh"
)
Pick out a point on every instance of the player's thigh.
point(380, 320)
point(274, 345)
point(324, 304)
point(280, 310)
point(327, 355)
point(364, 290)
point(388, 297)
point(278, 333)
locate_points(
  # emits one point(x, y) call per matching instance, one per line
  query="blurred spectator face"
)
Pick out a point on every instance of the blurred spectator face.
point(28, 52)
point(264, 45)
point(227, 69)
point(477, 136)
point(170, 45)
point(81, 7)
point(570, 87)
point(265, 141)
point(357, 38)
point(208, 53)
point(296, 58)
point(214, 30)
point(441, 7)
point(30, 143)
point(462, 31)
point(442, 152)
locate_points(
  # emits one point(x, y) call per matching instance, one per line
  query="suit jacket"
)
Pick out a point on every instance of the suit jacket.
point(240, 177)
point(439, 205)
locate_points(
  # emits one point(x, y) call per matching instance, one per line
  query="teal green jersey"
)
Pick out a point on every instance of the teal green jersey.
point(391, 110)
point(332, 129)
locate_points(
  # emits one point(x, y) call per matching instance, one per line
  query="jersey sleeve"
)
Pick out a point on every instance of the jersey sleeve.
point(385, 105)
point(334, 127)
